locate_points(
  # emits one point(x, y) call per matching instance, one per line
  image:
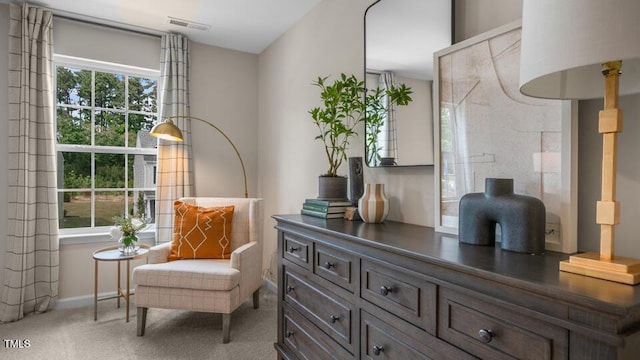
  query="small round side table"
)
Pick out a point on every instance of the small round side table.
point(112, 253)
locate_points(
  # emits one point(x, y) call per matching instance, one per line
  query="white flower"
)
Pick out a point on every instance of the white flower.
point(137, 223)
point(115, 233)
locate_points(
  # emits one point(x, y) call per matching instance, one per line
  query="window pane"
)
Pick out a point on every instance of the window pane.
point(76, 170)
point(109, 128)
point(142, 94)
point(136, 170)
point(144, 206)
point(139, 127)
point(109, 90)
point(73, 126)
point(110, 171)
point(446, 130)
point(108, 205)
point(144, 171)
point(102, 109)
point(73, 86)
point(76, 210)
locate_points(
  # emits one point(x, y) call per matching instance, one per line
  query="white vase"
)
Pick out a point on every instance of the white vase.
point(373, 206)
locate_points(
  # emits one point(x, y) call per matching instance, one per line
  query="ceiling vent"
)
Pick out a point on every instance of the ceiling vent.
point(188, 24)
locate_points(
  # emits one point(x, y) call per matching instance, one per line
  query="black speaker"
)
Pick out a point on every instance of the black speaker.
point(356, 179)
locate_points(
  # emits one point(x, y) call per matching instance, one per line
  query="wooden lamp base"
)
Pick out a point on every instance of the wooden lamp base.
point(605, 265)
point(619, 269)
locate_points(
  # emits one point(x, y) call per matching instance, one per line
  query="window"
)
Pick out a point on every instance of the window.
point(106, 157)
point(448, 187)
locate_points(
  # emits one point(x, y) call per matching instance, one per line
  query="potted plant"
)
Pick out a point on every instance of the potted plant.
point(379, 103)
point(342, 110)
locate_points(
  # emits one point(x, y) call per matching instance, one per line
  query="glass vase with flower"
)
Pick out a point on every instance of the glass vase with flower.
point(126, 230)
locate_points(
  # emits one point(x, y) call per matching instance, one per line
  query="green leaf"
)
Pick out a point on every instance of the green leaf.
point(344, 107)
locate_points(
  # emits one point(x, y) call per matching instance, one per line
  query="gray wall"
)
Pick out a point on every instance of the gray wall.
point(84, 40)
point(224, 92)
point(474, 17)
point(628, 176)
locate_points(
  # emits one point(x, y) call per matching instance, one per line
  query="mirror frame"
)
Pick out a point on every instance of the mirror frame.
point(434, 108)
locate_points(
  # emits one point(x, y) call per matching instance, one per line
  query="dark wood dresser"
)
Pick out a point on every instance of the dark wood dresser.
point(396, 291)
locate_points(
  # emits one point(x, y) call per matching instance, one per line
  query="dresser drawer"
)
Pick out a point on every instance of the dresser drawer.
point(381, 340)
point(297, 250)
point(306, 341)
point(489, 331)
point(400, 293)
point(335, 266)
point(329, 312)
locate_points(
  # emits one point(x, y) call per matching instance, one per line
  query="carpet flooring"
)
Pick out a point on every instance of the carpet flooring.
point(170, 334)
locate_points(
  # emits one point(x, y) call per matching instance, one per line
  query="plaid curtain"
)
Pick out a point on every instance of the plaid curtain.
point(31, 261)
point(388, 139)
point(175, 178)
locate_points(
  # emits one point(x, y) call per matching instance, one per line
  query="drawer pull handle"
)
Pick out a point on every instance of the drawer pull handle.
point(485, 335)
point(334, 318)
point(377, 350)
point(293, 249)
point(290, 288)
point(384, 290)
point(328, 265)
point(288, 333)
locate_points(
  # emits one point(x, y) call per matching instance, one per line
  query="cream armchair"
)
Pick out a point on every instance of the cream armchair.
point(207, 285)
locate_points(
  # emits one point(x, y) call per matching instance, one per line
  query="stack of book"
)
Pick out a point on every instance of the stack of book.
point(326, 209)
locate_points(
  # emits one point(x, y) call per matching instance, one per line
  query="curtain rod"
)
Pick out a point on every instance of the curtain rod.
point(106, 23)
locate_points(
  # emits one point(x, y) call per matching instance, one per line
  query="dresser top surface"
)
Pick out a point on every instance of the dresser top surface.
point(533, 272)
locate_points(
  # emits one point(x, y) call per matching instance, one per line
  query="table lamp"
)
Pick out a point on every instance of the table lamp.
point(575, 49)
point(169, 131)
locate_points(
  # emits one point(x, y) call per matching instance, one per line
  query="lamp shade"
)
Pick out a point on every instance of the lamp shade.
point(167, 130)
point(565, 42)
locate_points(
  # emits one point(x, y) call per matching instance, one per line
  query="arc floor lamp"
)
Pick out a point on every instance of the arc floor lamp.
point(567, 48)
point(169, 131)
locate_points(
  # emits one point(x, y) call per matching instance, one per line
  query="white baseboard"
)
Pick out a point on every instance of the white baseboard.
point(80, 301)
point(87, 300)
point(270, 285)
point(73, 302)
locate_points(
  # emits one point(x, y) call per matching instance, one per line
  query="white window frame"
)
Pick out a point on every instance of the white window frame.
point(101, 233)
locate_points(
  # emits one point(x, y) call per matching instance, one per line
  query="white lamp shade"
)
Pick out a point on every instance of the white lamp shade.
point(565, 42)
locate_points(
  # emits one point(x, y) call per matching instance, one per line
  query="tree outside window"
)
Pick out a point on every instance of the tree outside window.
point(105, 153)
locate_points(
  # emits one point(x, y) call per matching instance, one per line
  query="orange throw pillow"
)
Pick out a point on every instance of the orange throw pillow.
point(201, 233)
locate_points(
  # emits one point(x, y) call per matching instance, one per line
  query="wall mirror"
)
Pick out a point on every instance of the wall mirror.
point(400, 39)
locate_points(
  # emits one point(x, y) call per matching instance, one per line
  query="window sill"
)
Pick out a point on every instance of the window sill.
point(101, 237)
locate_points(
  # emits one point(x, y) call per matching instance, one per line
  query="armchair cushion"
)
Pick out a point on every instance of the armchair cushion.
point(204, 274)
point(201, 232)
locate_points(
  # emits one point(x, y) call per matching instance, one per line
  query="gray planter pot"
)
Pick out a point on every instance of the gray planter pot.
point(332, 188)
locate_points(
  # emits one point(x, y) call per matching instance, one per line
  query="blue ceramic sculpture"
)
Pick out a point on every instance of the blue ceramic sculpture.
point(521, 218)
